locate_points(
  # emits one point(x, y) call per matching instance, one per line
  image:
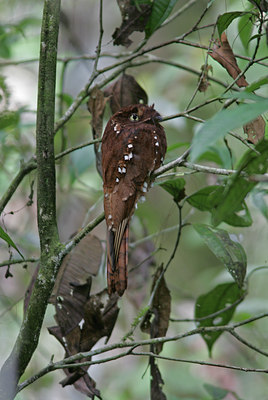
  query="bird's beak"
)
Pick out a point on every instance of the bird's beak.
point(156, 118)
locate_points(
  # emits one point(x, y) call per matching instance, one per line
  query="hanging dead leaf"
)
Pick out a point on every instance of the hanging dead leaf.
point(97, 321)
point(124, 92)
point(223, 53)
point(84, 384)
point(156, 382)
point(255, 130)
point(96, 106)
point(134, 18)
point(156, 320)
point(73, 281)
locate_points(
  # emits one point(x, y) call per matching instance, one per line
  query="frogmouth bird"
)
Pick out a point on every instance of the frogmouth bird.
point(133, 146)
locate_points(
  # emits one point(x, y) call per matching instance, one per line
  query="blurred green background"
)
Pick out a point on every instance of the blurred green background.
point(195, 270)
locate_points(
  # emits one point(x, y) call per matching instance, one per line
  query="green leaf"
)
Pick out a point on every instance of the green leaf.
point(208, 198)
point(237, 186)
point(8, 239)
point(257, 36)
point(212, 302)
point(160, 11)
point(255, 2)
point(225, 19)
point(230, 253)
point(222, 122)
point(216, 392)
point(244, 95)
point(175, 187)
point(205, 199)
point(218, 154)
point(241, 217)
point(257, 84)
point(245, 28)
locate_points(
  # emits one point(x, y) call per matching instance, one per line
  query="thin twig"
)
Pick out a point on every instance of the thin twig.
point(209, 364)
point(204, 70)
point(18, 261)
point(98, 51)
point(80, 146)
point(25, 169)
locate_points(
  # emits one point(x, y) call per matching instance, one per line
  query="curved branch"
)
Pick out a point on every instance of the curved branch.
point(25, 169)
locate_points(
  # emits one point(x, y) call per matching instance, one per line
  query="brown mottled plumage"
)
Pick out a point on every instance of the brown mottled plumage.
point(133, 146)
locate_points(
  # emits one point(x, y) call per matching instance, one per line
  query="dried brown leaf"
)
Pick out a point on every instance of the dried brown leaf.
point(124, 92)
point(73, 282)
point(156, 382)
point(96, 106)
point(156, 321)
point(87, 386)
point(97, 321)
point(223, 53)
point(255, 130)
point(133, 19)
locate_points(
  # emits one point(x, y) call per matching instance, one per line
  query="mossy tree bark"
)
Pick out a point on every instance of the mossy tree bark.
point(50, 246)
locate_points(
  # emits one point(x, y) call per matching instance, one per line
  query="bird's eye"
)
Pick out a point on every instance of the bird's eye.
point(134, 117)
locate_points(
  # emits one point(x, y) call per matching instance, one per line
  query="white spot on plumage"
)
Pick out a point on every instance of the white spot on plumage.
point(155, 137)
point(126, 157)
point(81, 323)
point(145, 187)
point(106, 195)
point(117, 180)
point(136, 205)
point(119, 170)
point(156, 144)
point(109, 216)
point(130, 156)
point(130, 145)
point(124, 170)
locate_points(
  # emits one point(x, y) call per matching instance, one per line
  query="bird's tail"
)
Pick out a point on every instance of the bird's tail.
point(117, 273)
